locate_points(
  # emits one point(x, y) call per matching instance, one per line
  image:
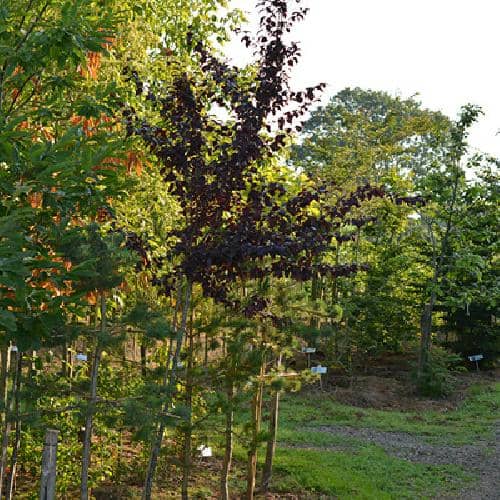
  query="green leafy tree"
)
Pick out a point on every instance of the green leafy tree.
point(57, 173)
point(359, 137)
point(469, 293)
point(362, 135)
point(443, 187)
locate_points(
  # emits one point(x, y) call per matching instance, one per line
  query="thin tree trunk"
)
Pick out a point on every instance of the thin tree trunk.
point(4, 375)
point(158, 439)
point(67, 361)
point(186, 470)
point(228, 453)
point(205, 363)
point(17, 440)
point(175, 318)
point(271, 442)
point(252, 452)
point(5, 367)
point(5, 446)
point(168, 362)
point(64, 365)
point(426, 335)
point(188, 433)
point(144, 354)
point(87, 441)
point(426, 317)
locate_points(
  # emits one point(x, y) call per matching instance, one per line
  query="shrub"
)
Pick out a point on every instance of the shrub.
point(438, 380)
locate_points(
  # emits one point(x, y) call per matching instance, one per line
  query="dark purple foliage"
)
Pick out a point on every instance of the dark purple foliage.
point(234, 225)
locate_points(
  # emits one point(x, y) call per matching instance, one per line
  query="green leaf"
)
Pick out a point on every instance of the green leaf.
point(8, 320)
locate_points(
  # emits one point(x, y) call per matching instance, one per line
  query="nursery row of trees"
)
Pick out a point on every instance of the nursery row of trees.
point(171, 236)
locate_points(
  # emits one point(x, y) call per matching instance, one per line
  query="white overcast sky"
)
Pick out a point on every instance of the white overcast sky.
point(447, 51)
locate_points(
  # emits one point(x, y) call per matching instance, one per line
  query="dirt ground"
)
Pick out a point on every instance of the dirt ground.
point(387, 385)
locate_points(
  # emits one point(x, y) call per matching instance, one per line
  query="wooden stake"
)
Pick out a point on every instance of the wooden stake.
point(49, 456)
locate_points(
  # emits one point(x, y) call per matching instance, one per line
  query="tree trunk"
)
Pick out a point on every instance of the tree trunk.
point(426, 318)
point(186, 462)
point(205, 363)
point(271, 442)
point(5, 368)
point(168, 365)
point(228, 453)
point(64, 356)
point(252, 452)
point(188, 433)
point(67, 361)
point(426, 335)
point(158, 439)
point(17, 441)
point(144, 355)
point(87, 441)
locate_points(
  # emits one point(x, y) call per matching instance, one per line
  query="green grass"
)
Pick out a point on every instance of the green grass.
point(473, 420)
point(363, 472)
point(367, 474)
point(310, 438)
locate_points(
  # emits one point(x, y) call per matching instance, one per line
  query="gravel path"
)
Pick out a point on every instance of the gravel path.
point(482, 458)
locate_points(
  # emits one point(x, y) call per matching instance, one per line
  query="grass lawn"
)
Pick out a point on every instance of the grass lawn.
point(368, 473)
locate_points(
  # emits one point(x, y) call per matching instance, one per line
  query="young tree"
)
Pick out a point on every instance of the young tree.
point(469, 292)
point(443, 187)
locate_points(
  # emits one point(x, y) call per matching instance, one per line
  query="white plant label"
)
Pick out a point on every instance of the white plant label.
point(309, 350)
point(321, 370)
point(476, 357)
point(205, 451)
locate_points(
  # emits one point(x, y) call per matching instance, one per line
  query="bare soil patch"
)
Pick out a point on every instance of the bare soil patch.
point(395, 391)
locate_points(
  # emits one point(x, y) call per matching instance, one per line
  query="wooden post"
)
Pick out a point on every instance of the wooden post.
point(49, 455)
